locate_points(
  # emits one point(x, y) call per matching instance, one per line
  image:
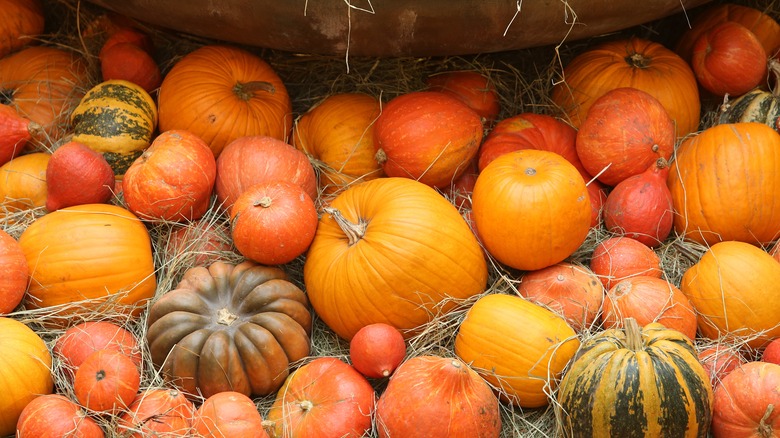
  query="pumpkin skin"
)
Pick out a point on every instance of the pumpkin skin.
point(379, 252)
point(54, 416)
point(325, 397)
point(517, 346)
point(228, 414)
point(203, 334)
point(427, 136)
point(749, 311)
point(15, 133)
point(635, 382)
point(98, 255)
point(22, 19)
point(221, 93)
point(172, 179)
point(13, 273)
point(130, 62)
point(83, 339)
point(107, 381)
point(25, 361)
point(376, 350)
point(437, 397)
point(118, 119)
point(44, 85)
point(531, 209)
point(618, 258)
point(157, 412)
point(718, 361)
point(771, 352)
point(710, 205)
point(637, 63)
point(78, 175)
point(745, 402)
point(23, 183)
point(337, 134)
point(756, 105)
point(472, 88)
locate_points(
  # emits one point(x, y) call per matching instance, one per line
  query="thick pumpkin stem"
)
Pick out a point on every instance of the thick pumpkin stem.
point(764, 429)
point(634, 340)
point(226, 317)
point(354, 232)
point(638, 60)
point(246, 91)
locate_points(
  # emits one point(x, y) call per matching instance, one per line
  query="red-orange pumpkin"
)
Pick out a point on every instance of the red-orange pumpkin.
point(617, 258)
point(83, 339)
point(377, 349)
point(632, 62)
point(157, 412)
point(107, 381)
point(718, 361)
point(131, 63)
point(199, 243)
point(54, 415)
point(745, 403)
point(472, 87)
point(531, 209)
point(15, 133)
point(221, 93)
point(14, 273)
point(228, 414)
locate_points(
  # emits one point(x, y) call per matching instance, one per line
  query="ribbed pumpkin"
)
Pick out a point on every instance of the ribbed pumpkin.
point(635, 382)
point(531, 209)
point(750, 308)
point(116, 118)
point(221, 93)
point(338, 135)
point(229, 327)
point(391, 250)
point(724, 184)
point(633, 62)
point(96, 252)
point(22, 21)
point(519, 347)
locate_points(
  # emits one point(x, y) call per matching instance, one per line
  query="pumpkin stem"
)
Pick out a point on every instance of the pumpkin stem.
point(265, 202)
point(765, 430)
point(226, 317)
point(633, 334)
point(100, 375)
point(306, 405)
point(638, 60)
point(246, 91)
point(354, 232)
point(380, 157)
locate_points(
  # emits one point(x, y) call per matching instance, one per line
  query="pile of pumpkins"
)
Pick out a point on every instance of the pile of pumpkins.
point(400, 212)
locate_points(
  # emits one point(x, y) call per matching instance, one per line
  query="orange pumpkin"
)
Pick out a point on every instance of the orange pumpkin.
point(744, 403)
point(617, 258)
point(13, 273)
point(724, 182)
point(131, 63)
point(379, 255)
point(107, 381)
point(81, 340)
point(472, 88)
point(633, 62)
point(23, 183)
point(54, 415)
point(338, 136)
point(157, 412)
point(748, 311)
point(15, 133)
point(531, 209)
point(88, 258)
point(221, 93)
point(22, 21)
point(228, 414)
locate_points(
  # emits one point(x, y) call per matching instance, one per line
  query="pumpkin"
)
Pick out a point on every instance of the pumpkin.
point(204, 333)
point(325, 397)
point(221, 93)
point(766, 29)
point(638, 382)
point(81, 340)
point(757, 105)
point(77, 175)
point(120, 30)
point(14, 273)
point(199, 243)
point(228, 414)
point(130, 62)
point(88, 259)
point(625, 131)
point(172, 179)
point(748, 312)
point(745, 402)
point(118, 119)
point(377, 349)
point(571, 290)
point(472, 88)
point(519, 347)
point(630, 62)
point(649, 299)
point(54, 415)
point(26, 363)
point(617, 258)
point(771, 352)
point(437, 397)
point(23, 183)
point(15, 133)
point(718, 361)
point(379, 253)
point(427, 136)
point(43, 84)
point(713, 205)
point(282, 213)
point(338, 137)
point(107, 381)
point(23, 20)
point(247, 161)
point(156, 412)
point(531, 209)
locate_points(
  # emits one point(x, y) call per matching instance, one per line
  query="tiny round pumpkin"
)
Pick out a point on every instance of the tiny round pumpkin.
point(107, 381)
point(746, 401)
point(531, 209)
point(376, 350)
point(13, 273)
point(54, 415)
point(229, 327)
point(228, 414)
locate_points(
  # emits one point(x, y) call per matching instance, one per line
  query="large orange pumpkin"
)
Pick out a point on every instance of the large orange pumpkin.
point(633, 62)
point(531, 208)
point(735, 289)
point(724, 184)
point(22, 21)
point(391, 250)
point(221, 93)
point(97, 257)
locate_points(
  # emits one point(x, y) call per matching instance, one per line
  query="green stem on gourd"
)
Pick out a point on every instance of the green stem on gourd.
point(354, 231)
point(246, 90)
point(634, 340)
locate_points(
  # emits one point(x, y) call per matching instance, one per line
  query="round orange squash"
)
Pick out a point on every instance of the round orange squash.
point(97, 257)
point(23, 183)
point(531, 209)
point(391, 250)
point(724, 183)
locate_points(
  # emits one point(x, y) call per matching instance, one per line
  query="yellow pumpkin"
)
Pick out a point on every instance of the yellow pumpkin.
point(23, 183)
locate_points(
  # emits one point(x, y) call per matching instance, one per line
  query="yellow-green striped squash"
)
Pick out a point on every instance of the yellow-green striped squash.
point(116, 118)
point(758, 105)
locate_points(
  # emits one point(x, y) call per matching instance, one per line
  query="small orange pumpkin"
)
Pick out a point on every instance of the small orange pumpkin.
point(228, 414)
point(157, 412)
point(107, 381)
point(617, 258)
point(23, 183)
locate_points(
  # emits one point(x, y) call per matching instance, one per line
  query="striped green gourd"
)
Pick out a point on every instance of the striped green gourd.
point(757, 105)
point(116, 118)
point(635, 382)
